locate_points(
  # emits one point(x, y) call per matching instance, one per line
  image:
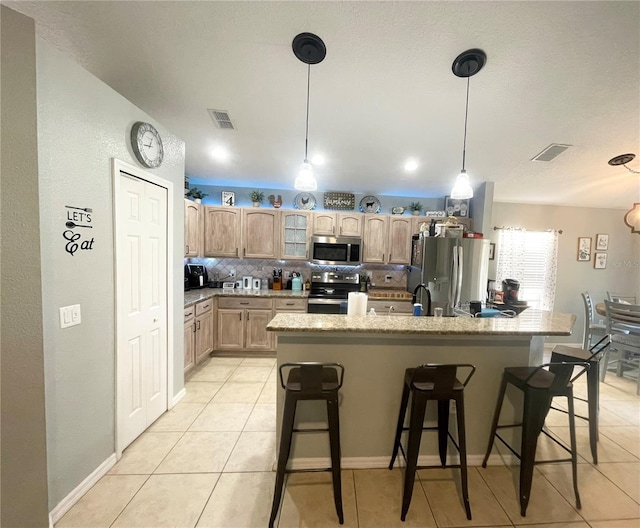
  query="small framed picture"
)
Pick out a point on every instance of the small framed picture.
point(492, 251)
point(600, 261)
point(456, 207)
point(584, 249)
point(228, 198)
point(602, 242)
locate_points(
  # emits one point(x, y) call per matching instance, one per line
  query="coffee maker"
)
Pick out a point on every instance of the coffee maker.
point(195, 276)
point(510, 291)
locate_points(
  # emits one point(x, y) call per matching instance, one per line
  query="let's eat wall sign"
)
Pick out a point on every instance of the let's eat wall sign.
point(78, 221)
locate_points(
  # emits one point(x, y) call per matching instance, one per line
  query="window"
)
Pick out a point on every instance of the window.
point(530, 257)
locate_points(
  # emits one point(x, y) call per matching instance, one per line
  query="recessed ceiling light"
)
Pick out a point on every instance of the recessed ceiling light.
point(318, 159)
point(411, 165)
point(220, 153)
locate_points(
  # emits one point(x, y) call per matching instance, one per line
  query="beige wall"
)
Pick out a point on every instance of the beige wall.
point(623, 268)
point(23, 489)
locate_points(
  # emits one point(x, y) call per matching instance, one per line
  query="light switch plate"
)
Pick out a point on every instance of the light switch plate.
point(70, 315)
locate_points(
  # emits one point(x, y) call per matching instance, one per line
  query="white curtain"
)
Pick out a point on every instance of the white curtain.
point(531, 258)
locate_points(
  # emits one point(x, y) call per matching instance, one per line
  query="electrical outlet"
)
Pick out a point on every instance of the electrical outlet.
point(387, 278)
point(232, 273)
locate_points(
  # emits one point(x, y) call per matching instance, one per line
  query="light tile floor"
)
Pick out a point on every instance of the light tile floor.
point(208, 463)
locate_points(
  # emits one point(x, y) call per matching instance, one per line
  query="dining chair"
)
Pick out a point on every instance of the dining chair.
point(623, 327)
point(622, 297)
point(591, 328)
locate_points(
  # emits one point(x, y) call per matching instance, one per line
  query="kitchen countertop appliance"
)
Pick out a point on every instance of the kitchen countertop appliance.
point(510, 301)
point(195, 276)
point(453, 269)
point(329, 290)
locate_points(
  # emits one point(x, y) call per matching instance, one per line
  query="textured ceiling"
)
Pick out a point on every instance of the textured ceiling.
point(557, 72)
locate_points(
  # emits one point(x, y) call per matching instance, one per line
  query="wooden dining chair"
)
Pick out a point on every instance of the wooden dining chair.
point(623, 327)
point(591, 328)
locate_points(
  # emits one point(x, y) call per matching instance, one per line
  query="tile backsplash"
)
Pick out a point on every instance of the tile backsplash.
point(256, 268)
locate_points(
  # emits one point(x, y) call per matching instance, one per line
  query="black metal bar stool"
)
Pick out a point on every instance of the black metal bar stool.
point(566, 354)
point(423, 383)
point(309, 381)
point(539, 386)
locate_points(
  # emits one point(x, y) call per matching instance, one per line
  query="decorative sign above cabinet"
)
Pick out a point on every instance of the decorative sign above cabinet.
point(340, 200)
point(228, 198)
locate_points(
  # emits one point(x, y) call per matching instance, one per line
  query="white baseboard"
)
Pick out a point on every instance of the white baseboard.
point(67, 503)
point(178, 397)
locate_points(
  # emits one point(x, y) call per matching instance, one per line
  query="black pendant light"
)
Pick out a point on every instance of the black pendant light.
point(310, 49)
point(467, 64)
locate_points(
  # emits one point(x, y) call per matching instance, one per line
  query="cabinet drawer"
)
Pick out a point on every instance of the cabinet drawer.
point(383, 307)
point(290, 304)
point(189, 313)
point(245, 303)
point(204, 307)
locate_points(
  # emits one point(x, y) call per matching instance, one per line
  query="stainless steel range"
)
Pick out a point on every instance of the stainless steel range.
point(329, 290)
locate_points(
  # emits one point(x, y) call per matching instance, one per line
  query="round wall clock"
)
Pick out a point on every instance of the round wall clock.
point(147, 144)
point(370, 204)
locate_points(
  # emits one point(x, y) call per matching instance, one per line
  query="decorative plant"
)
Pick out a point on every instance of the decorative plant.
point(415, 206)
point(257, 196)
point(196, 193)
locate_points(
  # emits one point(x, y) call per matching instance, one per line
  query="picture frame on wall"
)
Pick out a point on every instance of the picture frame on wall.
point(600, 261)
point(492, 251)
point(602, 242)
point(584, 249)
point(459, 208)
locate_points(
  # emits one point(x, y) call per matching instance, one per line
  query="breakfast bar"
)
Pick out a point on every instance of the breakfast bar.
point(376, 350)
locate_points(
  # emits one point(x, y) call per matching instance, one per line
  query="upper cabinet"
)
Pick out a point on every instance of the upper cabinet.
point(295, 232)
point(192, 229)
point(260, 233)
point(337, 224)
point(401, 228)
point(222, 231)
point(375, 237)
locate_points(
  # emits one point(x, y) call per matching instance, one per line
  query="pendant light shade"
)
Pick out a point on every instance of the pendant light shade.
point(632, 216)
point(467, 64)
point(309, 49)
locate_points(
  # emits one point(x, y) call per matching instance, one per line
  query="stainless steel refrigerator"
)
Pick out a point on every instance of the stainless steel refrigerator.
point(454, 269)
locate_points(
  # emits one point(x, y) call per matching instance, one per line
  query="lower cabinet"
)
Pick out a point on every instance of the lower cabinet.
point(242, 324)
point(204, 329)
point(189, 339)
point(390, 306)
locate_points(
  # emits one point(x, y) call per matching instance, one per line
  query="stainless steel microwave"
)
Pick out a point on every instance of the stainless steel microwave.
point(338, 251)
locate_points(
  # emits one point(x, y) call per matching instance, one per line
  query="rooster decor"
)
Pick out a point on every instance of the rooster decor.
point(276, 203)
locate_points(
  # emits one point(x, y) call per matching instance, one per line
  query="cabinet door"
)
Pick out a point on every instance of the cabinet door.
point(261, 233)
point(189, 345)
point(256, 335)
point(204, 335)
point(375, 238)
point(230, 325)
point(192, 229)
point(221, 231)
point(295, 232)
point(350, 224)
point(324, 223)
point(399, 244)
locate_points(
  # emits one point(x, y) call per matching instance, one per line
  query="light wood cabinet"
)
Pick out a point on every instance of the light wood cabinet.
point(399, 239)
point(260, 233)
point(337, 224)
point(391, 306)
point(349, 224)
point(204, 329)
point(222, 231)
point(242, 324)
point(374, 240)
point(192, 229)
point(324, 223)
point(290, 305)
point(189, 339)
point(295, 231)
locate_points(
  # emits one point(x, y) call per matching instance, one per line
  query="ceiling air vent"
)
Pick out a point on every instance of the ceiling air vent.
point(553, 150)
point(221, 119)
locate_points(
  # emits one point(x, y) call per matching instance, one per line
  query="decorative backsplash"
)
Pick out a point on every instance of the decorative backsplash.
point(264, 269)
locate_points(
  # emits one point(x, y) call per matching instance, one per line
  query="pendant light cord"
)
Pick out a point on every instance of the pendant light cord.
point(466, 114)
point(306, 133)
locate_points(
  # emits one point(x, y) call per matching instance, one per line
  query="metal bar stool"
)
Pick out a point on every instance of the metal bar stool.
point(540, 386)
point(309, 381)
point(566, 354)
point(431, 382)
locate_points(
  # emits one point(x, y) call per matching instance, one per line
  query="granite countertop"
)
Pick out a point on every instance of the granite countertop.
point(194, 296)
point(529, 323)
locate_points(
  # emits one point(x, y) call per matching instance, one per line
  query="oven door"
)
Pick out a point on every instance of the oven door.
point(326, 306)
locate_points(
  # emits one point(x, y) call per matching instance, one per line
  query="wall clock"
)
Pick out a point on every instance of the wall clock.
point(228, 198)
point(147, 144)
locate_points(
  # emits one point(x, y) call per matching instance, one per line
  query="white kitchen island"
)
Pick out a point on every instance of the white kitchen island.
point(375, 351)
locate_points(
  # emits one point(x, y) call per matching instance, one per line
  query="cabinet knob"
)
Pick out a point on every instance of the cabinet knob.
point(198, 324)
point(155, 319)
point(187, 248)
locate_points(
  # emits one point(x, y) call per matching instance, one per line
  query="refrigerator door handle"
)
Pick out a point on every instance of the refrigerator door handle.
point(453, 283)
point(460, 275)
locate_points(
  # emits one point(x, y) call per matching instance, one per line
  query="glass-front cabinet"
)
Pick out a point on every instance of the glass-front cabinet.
point(295, 234)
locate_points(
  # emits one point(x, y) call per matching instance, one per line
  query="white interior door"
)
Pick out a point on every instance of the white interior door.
point(141, 244)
